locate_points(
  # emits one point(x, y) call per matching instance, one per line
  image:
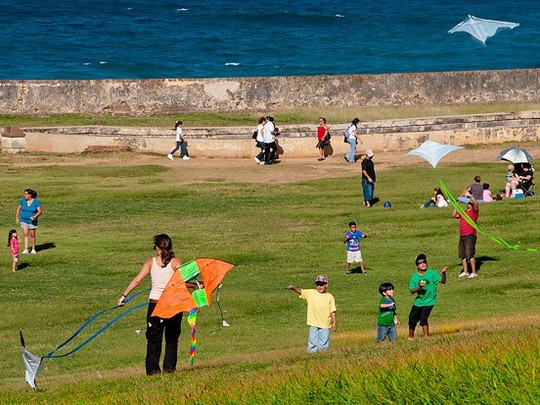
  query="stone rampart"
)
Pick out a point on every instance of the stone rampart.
point(296, 140)
point(175, 96)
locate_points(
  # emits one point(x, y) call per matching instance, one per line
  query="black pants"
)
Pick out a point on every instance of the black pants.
point(419, 314)
point(154, 336)
point(269, 151)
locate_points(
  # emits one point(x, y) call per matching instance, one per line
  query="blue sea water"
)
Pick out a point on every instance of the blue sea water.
point(97, 39)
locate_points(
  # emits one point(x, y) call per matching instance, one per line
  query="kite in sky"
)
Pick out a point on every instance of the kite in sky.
point(481, 29)
point(174, 299)
point(433, 152)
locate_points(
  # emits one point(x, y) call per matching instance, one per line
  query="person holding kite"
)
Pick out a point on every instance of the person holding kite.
point(467, 235)
point(161, 268)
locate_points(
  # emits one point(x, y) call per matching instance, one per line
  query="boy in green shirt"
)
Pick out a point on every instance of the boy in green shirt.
point(386, 318)
point(424, 283)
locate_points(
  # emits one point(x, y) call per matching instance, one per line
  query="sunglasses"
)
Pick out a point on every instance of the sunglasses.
point(320, 283)
point(421, 262)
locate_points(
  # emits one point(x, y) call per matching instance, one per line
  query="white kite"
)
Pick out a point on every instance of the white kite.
point(433, 151)
point(481, 29)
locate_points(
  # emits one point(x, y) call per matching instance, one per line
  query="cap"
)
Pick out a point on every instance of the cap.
point(421, 256)
point(322, 278)
point(369, 153)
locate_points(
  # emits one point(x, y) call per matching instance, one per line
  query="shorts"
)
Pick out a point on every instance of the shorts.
point(354, 256)
point(321, 144)
point(467, 246)
point(419, 314)
point(15, 257)
point(25, 225)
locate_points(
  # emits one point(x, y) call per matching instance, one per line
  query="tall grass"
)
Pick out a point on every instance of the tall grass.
point(97, 230)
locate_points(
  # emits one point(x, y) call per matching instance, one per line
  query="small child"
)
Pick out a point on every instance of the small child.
point(509, 177)
point(387, 319)
point(321, 313)
point(354, 254)
point(13, 243)
point(424, 283)
point(486, 194)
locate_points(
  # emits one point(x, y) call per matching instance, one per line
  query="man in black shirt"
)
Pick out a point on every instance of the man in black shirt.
point(368, 178)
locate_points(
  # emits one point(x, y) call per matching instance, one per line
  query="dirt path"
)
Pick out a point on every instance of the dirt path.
point(246, 170)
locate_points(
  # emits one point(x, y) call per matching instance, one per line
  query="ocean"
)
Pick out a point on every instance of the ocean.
point(97, 39)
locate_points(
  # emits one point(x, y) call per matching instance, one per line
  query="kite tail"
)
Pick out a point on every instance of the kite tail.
point(192, 321)
point(459, 209)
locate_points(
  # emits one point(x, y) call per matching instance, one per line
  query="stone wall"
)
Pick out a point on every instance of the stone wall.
point(296, 140)
point(174, 96)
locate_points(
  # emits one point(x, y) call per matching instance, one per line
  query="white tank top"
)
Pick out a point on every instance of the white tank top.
point(160, 277)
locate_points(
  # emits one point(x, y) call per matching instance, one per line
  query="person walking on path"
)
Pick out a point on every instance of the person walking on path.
point(321, 313)
point(322, 132)
point(28, 211)
point(368, 178)
point(467, 236)
point(350, 135)
point(259, 140)
point(161, 267)
point(423, 283)
point(181, 143)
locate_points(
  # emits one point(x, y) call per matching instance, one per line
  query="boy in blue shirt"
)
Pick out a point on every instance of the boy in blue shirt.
point(354, 254)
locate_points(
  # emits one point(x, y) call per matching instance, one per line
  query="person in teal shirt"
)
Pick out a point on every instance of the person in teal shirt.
point(423, 283)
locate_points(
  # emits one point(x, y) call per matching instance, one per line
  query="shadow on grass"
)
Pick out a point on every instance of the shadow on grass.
point(22, 266)
point(482, 259)
point(45, 246)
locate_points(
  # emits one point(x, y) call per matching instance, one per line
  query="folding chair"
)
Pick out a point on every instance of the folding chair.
point(528, 187)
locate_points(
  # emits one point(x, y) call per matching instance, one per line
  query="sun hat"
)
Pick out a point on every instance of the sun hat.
point(369, 153)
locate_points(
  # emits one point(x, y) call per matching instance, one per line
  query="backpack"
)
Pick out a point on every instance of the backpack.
point(254, 136)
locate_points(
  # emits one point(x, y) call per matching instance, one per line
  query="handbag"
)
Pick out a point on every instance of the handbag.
point(327, 137)
point(254, 136)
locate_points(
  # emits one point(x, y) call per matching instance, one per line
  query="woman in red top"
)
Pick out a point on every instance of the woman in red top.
point(322, 131)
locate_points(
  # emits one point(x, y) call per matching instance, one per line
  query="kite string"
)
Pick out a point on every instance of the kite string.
point(459, 209)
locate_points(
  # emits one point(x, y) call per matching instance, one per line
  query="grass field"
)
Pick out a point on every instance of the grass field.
point(97, 230)
point(299, 115)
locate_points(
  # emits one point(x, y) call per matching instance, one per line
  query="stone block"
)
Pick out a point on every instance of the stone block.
point(13, 145)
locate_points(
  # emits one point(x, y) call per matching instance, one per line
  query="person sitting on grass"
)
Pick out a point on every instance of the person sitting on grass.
point(321, 313)
point(437, 200)
point(423, 283)
point(386, 318)
point(354, 254)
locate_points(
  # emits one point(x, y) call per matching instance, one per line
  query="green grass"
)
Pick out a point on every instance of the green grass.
point(97, 230)
point(297, 115)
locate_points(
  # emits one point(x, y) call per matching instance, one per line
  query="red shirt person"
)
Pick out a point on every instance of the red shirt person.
point(467, 237)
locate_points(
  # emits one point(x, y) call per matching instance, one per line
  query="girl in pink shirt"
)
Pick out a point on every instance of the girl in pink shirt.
point(486, 194)
point(13, 243)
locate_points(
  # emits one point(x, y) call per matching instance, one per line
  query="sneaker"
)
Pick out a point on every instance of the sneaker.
point(257, 159)
point(261, 163)
point(422, 206)
point(169, 156)
point(347, 272)
point(464, 274)
point(33, 252)
point(473, 275)
point(186, 157)
point(363, 272)
point(25, 252)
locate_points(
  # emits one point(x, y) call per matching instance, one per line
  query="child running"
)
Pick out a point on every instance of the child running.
point(387, 319)
point(321, 313)
point(423, 283)
point(354, 254)
point(13, 243)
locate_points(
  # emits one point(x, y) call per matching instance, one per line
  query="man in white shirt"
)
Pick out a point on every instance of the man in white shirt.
point(269, 141)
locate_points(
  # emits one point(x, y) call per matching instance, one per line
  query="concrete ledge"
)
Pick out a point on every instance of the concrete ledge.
point(296, 140)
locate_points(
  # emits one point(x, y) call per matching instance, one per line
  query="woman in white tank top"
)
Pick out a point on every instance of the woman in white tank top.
point(161, 268)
